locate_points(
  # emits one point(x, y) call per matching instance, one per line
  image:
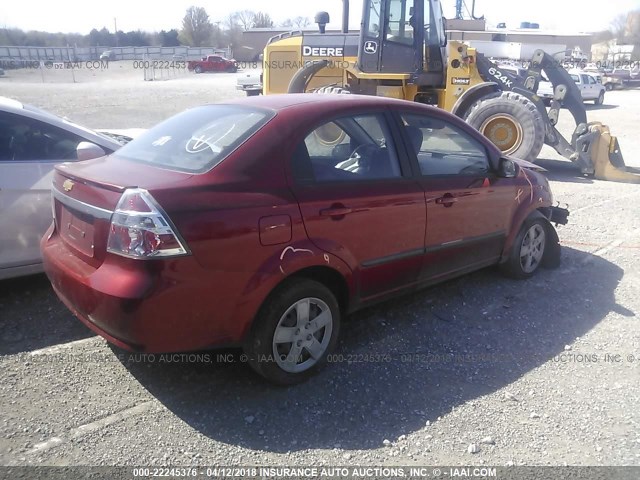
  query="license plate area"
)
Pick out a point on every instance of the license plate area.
point(77, 229)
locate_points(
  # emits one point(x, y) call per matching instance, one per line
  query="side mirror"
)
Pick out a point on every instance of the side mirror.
point(88, 151)
point(507, 168)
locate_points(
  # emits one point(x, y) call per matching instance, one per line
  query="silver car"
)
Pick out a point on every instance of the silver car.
point(32, 141)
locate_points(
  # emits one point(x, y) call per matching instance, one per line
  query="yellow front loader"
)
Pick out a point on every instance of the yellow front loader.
point(402, 52)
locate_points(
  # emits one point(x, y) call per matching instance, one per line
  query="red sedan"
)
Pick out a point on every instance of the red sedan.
point(262, 222)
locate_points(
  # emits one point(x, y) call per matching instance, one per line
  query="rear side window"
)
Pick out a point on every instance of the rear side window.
point(197, 140)
point(348, 149)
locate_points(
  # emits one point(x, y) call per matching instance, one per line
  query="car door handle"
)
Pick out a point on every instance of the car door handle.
point(335, 212)
point(447, 200)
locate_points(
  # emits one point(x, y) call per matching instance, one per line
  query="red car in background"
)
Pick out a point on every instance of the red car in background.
point(262, 222)
point(212, 63)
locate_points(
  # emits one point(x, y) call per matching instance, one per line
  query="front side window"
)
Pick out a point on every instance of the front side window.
point(373, 28)
point(402, 22)
point(444, 149)
point(26, 139)
point(196, 140)
point(353, 148)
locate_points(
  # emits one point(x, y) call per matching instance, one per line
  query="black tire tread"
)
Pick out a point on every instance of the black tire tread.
point(520, 108)
point(332, 89)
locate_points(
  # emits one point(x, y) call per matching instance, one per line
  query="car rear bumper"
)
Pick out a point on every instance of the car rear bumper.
point(141, 306)
point(249, 87)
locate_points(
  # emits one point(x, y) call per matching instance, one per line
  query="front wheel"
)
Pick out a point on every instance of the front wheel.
point(295, 331)
point(198, 69)
point(528, 251)
point(600, 99)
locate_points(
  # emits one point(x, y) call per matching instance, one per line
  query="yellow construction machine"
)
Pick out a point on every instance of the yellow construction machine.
point(402, 51)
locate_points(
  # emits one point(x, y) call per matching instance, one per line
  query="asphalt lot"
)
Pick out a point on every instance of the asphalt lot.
point(540, 372)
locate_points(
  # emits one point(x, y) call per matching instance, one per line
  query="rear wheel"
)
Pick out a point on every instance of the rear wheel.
point(511, 122)
point(294, 332)
point(528, 251)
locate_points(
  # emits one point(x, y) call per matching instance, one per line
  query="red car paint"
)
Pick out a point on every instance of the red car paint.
point(212, 63)
point(249, 225)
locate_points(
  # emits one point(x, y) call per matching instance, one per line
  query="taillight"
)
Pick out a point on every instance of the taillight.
point(140, 229)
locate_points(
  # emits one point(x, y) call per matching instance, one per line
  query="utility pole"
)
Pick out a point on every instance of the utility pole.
point(115, 29)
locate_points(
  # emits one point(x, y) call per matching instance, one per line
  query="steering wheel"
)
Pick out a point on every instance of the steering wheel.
point(362, 155)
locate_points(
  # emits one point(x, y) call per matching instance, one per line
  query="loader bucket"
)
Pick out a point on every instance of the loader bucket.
point(607, 157)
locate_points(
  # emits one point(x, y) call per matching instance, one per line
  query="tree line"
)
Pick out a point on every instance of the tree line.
point(197, 30)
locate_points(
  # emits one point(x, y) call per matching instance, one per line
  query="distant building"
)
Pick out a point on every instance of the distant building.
point(613, 53)
point(255, 40)
point(529, 39)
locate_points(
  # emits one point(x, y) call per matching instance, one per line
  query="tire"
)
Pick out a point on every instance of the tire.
point(511, 122)
point(600, 99)
point(534, 237)
point(198, 69)
point(609, 87)
point(253, 93)
point(332, 89)
point(283, 313)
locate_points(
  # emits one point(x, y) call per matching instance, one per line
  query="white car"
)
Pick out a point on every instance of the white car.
point(251, 83)
point(590, 88)
point(32, 141)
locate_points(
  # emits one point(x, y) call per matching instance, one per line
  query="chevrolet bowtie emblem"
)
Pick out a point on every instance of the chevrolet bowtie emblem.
point(67, 185)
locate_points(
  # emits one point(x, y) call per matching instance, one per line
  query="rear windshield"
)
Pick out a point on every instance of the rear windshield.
point(196, 140)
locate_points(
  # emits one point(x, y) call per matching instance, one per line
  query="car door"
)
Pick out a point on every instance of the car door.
point(594, 87)
point(579, 83)
point(28, 151)
point(217, 64)
point(587, 88)
point(359, 201)
point(469, 207)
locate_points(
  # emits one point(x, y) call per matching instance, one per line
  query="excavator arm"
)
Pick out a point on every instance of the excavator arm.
point(592, 147)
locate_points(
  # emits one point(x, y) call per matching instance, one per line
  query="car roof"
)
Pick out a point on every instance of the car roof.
point(284, 101)
point(10, 105)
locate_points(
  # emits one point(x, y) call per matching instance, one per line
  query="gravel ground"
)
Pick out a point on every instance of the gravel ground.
point(480, 370)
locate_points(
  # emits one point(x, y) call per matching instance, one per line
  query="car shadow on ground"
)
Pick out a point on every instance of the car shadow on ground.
point(400, 364)
point(591, 108)
point(32, 317)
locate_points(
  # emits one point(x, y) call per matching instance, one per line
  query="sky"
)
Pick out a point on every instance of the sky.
point(81, 16)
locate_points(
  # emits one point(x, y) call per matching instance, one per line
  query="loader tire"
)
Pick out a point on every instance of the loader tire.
point(334, 89)
point(511, 122)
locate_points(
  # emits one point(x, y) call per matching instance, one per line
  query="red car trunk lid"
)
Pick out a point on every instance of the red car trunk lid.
point(86, 194)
